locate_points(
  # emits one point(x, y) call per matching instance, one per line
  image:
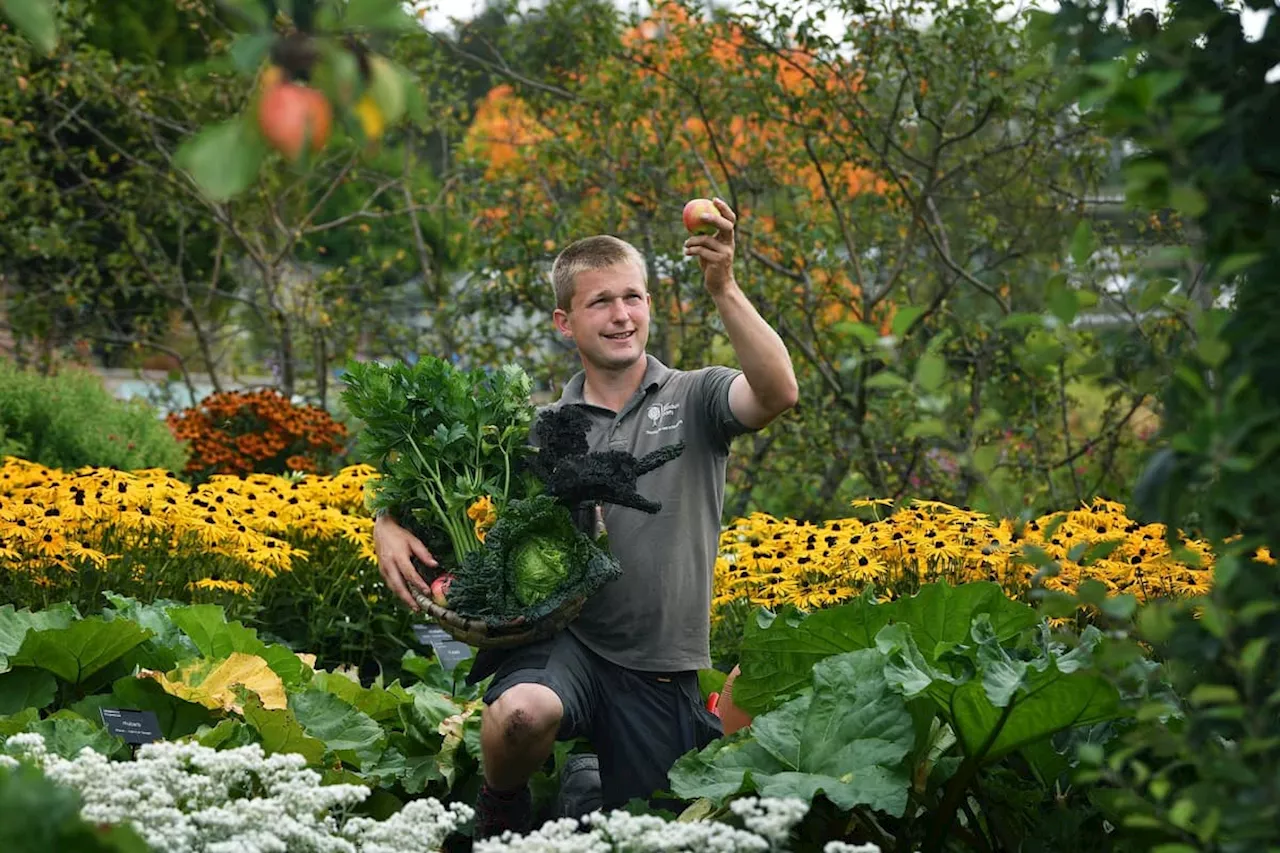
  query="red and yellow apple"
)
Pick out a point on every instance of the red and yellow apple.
point(440, 590)
point(693, 213)
point(291, 115)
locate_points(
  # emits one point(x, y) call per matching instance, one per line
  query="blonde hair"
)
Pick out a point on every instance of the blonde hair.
point(591, 253)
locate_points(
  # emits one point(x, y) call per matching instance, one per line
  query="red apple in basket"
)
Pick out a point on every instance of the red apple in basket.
point(693, 213)
point(440, 590)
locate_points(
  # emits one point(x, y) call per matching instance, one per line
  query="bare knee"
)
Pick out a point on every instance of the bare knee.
point(524, 714)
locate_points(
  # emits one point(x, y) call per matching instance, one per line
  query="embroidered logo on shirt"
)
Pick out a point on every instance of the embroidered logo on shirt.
point(659, 415)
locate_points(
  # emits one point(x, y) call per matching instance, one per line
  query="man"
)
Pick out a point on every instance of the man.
point(624, 674)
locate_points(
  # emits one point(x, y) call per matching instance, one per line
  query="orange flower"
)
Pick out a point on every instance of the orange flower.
point(483, 514)
point(242, 432)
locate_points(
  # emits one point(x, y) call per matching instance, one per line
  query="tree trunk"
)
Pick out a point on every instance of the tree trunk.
point(322, 370)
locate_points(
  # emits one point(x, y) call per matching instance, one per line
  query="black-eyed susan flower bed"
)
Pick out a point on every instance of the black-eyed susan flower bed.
point(292, 555)
point(771, 562)
point(148, 528)
point(67, 535)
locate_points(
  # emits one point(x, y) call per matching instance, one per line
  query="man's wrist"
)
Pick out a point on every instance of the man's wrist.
point(729, 290)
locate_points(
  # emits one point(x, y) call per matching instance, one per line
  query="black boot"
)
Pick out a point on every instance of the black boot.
point(499, 811)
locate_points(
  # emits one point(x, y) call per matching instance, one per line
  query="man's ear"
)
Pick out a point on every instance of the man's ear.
point(561, 318)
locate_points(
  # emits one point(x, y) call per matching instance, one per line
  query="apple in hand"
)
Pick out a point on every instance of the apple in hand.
point(440, 590)
point(693, 213)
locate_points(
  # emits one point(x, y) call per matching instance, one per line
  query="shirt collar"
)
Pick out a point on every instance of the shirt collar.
point(656, 375)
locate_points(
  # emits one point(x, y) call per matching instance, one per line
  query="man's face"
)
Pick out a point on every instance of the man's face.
point(608, 319)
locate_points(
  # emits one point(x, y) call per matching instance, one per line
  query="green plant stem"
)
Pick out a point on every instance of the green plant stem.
point(958, 784)
point(459, 536)
point(979, 837)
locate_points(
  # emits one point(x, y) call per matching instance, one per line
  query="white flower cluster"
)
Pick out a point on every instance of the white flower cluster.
point(768, 822)
point(186, 797)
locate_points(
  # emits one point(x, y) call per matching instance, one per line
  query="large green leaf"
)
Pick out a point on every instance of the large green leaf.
point(353, 736)
point(280, 731)
point(846, 738)
point(419, 768)
point(66, 733)
point(14, 723)
point(1047, 694)
point(377, 702)
point(80, 649)
point(719, 771)
point(35, 19)
point(432, 673)
point(940, 615)
point(422, 719)
point(26, 688)
point(14, 625)
point(229, 734)
point(207, 626)
point(168, 645)
point(1005, 702)
point(778, 654)
point(223, 159)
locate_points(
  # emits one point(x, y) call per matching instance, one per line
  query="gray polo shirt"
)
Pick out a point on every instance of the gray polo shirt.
point(657, 616)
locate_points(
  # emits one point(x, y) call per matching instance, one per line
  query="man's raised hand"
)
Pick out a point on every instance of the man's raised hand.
point(715, 251)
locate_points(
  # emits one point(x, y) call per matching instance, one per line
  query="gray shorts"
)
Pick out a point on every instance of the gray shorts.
point(637, 722)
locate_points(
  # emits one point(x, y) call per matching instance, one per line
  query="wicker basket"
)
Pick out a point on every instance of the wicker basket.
point(483, 636)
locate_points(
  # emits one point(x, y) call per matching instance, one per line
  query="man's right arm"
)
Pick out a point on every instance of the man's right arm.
point(396, 548)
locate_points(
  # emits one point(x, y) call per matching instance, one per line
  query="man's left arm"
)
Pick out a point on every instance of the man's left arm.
point(767, 386)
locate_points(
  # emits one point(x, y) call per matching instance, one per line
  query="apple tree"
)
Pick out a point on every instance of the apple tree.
point(915, 220)
point(274, 190)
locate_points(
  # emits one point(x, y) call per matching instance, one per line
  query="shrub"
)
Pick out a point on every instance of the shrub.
point(244, 432)
point(69, 420)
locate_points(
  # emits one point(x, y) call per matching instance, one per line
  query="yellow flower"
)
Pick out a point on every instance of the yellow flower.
point(482, 513)
point(1263, 555)
point(866, 567)
point(235, 587)
point(79, 551)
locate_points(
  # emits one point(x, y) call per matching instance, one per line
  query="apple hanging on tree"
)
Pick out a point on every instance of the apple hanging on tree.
point(291, 115)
